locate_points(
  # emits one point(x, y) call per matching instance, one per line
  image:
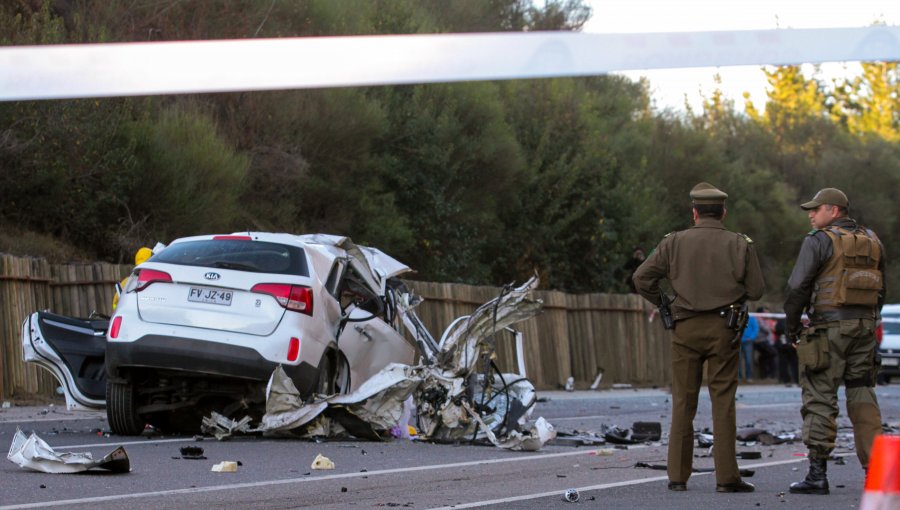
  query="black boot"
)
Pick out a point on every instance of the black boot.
point(816, 481)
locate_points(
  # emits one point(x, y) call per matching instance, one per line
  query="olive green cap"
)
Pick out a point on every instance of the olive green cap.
point(831, 196)
point(706, 193)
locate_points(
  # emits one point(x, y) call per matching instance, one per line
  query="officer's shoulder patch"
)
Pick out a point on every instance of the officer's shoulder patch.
point(746, 238)
point(813, 232)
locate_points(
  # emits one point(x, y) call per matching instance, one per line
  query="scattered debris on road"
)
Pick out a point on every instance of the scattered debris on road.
point(222, 427)
point(322, 462)
point(35, 454)
point(226, 466)
point(192, 453)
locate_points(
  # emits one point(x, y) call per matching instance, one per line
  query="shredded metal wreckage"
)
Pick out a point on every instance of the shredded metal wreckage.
point(456, 392)
point(34, 454)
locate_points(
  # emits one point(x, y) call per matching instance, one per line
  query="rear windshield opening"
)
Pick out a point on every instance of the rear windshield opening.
point(240, 255)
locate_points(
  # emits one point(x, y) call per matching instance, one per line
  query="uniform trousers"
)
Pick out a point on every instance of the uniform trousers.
point(699, 340)
point(851, 355)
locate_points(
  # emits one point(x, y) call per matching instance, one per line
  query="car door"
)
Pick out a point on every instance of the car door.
point(371, 337)
point(74, 351)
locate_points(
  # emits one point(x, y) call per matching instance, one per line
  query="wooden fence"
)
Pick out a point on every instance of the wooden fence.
point(574, 336)
point(30, 284)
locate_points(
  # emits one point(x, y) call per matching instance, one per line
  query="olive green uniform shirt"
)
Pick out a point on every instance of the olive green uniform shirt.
point(709, 268)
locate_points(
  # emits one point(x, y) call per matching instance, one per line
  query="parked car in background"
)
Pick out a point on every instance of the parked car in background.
point(203, 323)
point(889, 347)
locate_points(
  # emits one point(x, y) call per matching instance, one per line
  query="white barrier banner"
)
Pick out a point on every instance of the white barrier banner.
point(126, 69)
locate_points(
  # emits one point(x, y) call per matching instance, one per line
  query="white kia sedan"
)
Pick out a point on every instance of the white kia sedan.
point(203, 323)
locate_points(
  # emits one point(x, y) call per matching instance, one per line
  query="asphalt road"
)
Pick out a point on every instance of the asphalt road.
point(411, 474)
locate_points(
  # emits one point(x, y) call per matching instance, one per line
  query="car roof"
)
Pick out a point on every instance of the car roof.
point(372, 264)
point(892, 309)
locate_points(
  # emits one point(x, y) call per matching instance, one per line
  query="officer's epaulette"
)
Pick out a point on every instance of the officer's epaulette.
point(746, 237)
point(670, 233)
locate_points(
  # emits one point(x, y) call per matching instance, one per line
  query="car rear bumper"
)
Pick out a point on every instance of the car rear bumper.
point(201, 358)
point(890, 364)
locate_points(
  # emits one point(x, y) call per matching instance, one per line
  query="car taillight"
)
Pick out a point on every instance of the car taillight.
point(293, 349)
point(297, 298)
point(879, 333)
point(142, 279)
point(115, 327)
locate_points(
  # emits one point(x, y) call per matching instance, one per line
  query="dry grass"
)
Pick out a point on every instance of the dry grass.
point(20, 242)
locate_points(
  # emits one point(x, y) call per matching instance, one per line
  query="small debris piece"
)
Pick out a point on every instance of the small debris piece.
point(6, 405)
point(192, 453)
point(226, 466)
point(603, 452)
point(571, 495)
point(322, 462)
point(749, 455)
point(646, 431)
point(343, 489)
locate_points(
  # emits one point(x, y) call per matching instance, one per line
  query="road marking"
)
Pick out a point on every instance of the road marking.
point(551, 420)
point(763, 406)
point(266, 483)
point(558, 493)
point(129, 443)
point(53, 418)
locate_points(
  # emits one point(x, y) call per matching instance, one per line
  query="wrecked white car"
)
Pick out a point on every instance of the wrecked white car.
point(308, 336)
point(204, 322)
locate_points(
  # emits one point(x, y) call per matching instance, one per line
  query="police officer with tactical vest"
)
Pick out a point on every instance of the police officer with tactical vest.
point(713, 272)
point(838, 280)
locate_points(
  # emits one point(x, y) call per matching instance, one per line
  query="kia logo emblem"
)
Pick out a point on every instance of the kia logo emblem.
point(212, 276)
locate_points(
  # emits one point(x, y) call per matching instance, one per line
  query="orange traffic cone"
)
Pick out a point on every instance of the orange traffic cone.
point(882, 490)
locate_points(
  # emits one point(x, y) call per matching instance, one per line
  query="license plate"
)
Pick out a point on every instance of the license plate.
point(890, 362)
point(211, 296)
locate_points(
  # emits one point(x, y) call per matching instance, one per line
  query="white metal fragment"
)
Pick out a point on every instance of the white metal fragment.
point(226, 466)
point(35, 454)
point(322, 462)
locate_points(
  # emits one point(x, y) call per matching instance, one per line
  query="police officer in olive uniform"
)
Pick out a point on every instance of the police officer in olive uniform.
point(710, 268)
point(838, 280)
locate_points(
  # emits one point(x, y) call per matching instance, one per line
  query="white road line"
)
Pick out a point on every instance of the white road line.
point(551, 420)
point(558, 493)
point(795, 405)
point(53, 418)
point(266, 483)
point(129, 443)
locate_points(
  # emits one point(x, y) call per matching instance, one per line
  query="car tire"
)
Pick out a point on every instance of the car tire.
point(326, 383)
point(334, 376)
point(121, 409)
point(342, 376)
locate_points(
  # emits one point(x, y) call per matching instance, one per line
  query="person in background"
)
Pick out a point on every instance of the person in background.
point(787, 355)
point(711, 269)
point(140, 257)
point(764, 346)
point(745, 372)
point(637, 258)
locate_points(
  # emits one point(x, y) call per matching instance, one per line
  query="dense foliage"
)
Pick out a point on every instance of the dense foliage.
point(473, 182)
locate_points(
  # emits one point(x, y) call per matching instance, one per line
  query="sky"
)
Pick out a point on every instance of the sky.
point(669, 88)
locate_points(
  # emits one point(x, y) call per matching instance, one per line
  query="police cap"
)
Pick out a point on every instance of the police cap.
point(706, 193)
point(831, 196)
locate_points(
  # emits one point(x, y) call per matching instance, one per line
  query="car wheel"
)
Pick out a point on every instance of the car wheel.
point(334, 377)
point(342, 376)
point(121, 409)
point(326, 377)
